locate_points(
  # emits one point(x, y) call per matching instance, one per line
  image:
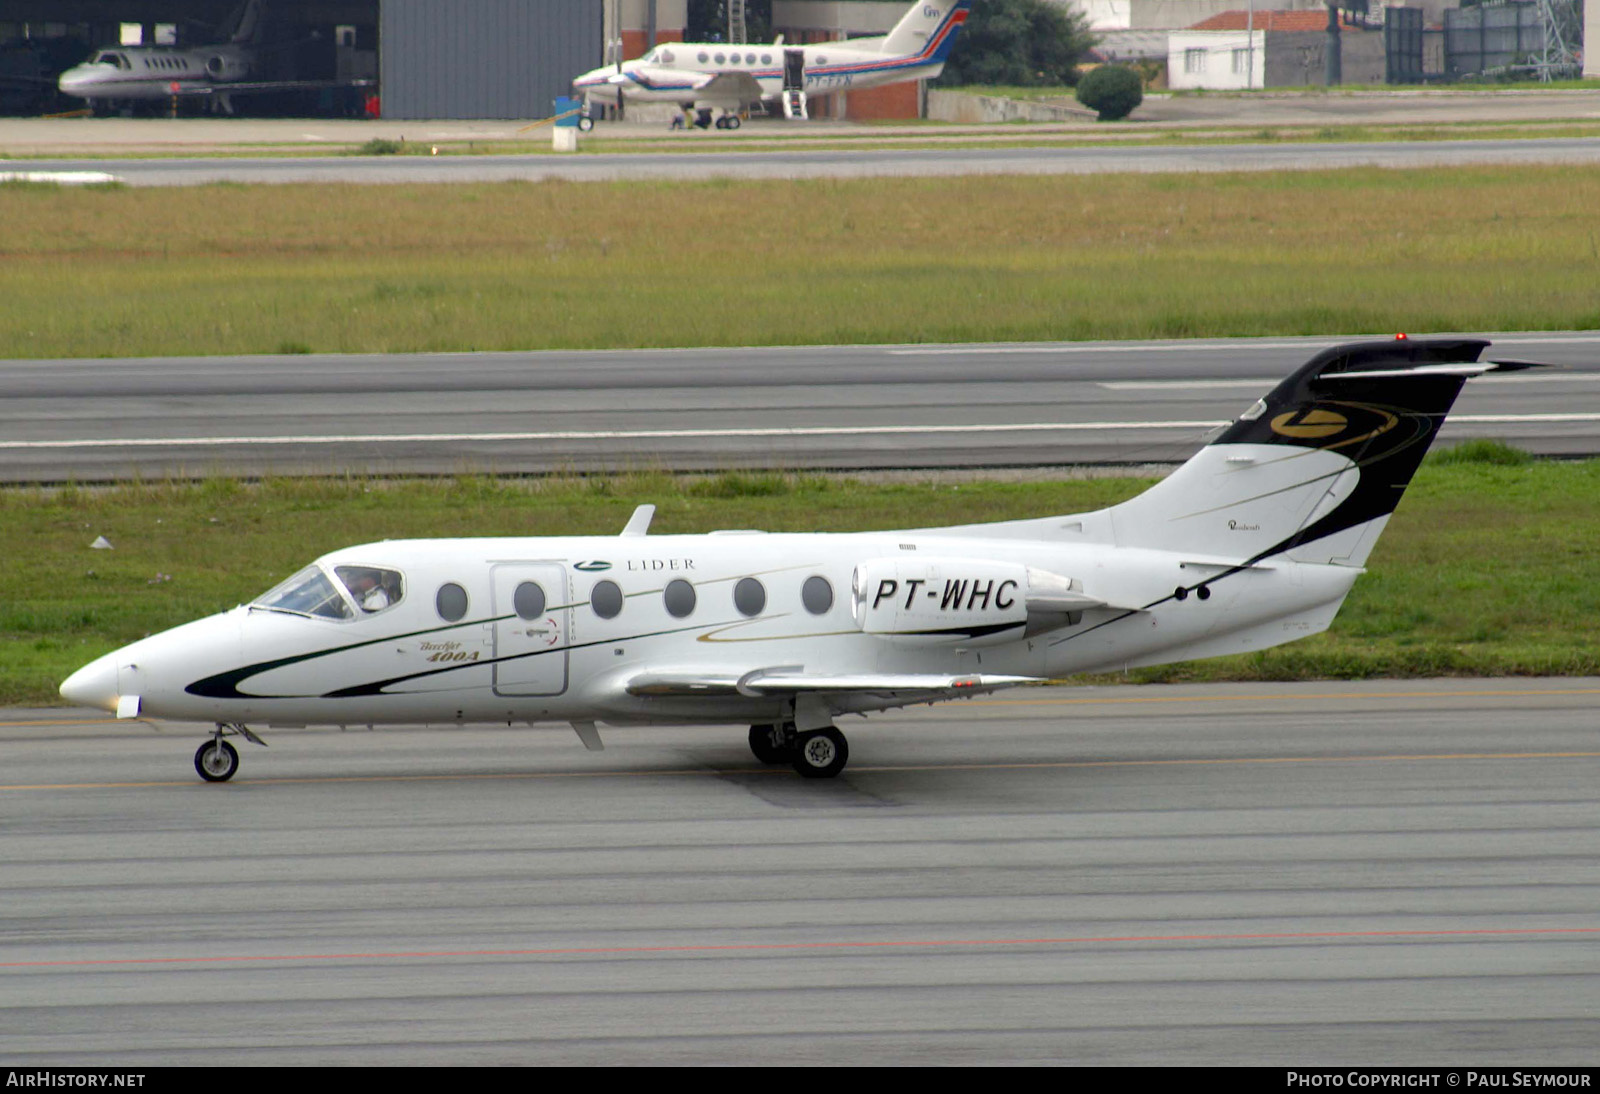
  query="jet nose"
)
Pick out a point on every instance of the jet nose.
point(94, 685)
point(72, 81)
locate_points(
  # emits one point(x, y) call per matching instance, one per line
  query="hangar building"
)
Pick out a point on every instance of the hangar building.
point(462, 59)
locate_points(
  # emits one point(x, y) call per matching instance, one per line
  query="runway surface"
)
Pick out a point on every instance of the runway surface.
point(1158, 114)
point(1401, 872)
point(828, 407)
point(802, 162)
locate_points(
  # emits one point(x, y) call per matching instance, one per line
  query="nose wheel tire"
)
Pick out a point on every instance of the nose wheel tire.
point(821, 754)
point(216, 761)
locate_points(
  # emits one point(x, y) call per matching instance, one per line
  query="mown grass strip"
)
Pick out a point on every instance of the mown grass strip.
point(1487, 567)
point(560, 265)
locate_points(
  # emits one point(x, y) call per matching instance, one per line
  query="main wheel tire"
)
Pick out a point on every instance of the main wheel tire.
point(216, 761)
point(733, 121)
point(585, 124)
point(761, 744)
point(821, 754)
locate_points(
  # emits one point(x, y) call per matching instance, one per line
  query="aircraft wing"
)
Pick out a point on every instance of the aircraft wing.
point(793, 680)
point(249, 87)
point(734, 87)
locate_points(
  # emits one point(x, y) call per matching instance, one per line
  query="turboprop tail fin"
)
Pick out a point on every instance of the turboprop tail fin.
point(1314, 469)
point(927, 31)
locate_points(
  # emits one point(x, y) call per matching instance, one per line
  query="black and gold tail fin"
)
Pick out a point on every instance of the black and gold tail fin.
point(1313, 468)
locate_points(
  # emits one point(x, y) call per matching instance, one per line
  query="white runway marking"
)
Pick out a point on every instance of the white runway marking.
point(60, 178)
point(1201, 385)
point(705, 434)
point(1190, 347)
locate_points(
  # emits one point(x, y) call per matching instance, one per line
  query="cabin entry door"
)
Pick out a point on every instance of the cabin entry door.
point(532, 626)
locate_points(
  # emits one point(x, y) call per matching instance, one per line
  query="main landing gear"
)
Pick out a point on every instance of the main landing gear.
point(217, 760)
point(814, 754)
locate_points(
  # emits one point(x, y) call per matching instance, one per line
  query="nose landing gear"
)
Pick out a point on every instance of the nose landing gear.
point(216, 761)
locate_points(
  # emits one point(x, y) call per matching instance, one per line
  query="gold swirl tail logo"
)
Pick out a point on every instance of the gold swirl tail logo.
point(1309, 424)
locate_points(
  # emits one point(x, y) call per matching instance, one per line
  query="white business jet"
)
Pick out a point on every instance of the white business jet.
point(707, 76)
point(1253, 542)
point(117, 74)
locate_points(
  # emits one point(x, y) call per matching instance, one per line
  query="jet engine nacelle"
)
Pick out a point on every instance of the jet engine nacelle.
point(955, 601)
point(225, 66)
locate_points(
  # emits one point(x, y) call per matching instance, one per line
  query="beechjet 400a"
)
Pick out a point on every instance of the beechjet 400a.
point(713, 75)
point(1253, 542)
point(132, 74)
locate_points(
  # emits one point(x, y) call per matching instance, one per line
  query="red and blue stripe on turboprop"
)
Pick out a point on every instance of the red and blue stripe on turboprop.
point(938, 47)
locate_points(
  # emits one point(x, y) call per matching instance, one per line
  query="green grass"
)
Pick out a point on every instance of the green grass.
point(245, 269)
point(1486, 568)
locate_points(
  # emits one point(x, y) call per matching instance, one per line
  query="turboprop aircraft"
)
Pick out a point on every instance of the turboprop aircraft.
point(707, 76)
point(1253, 542)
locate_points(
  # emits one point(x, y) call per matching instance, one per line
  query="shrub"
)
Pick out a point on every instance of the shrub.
point(1112, 91)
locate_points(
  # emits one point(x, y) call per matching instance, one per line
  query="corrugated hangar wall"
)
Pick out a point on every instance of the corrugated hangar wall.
point(483, 58)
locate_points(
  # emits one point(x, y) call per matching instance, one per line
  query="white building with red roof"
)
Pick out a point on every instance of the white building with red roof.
point(1236, 50)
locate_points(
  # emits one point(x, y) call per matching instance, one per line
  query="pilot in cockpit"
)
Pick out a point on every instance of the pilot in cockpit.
point(367, 587)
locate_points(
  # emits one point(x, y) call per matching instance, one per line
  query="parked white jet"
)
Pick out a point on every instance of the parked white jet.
point(143, 73)
point(717, 75)
point(1253, 542)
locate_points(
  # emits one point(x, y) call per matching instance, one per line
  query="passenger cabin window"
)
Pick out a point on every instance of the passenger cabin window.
point(749, 596)
point(606, 599)
point(450, 602)
point(679, 597)
point(372, 588)
point(528, 600)
point(817, 595)
point(309, 592)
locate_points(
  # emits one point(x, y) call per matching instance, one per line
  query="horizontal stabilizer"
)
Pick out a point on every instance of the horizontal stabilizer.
point(1467, 370)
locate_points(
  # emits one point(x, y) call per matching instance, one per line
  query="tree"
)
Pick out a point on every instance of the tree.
point(1111, 91)
point(1018, 43)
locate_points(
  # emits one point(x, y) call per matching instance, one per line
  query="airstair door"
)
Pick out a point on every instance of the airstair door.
point(794, 70)
point(532, 617)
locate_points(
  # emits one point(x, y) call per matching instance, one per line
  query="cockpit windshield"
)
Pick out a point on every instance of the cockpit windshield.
point(309, 592)
point(358, 591)
point(116, 60)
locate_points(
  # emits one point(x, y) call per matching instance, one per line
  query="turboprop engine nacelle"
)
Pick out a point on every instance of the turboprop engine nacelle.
point(958, 601)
